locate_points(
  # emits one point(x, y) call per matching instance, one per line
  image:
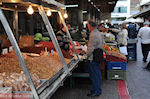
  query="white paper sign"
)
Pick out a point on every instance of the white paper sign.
point(74, 43)
point(116, 76)
point(5, 51)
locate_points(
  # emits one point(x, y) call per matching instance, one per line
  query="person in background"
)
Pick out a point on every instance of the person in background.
point(122, 38)
point(95, 41)
point(122, 35)
point(131, 30)
point(144, 34)
point(62, 38)
point(136, 27)
point(114, 33)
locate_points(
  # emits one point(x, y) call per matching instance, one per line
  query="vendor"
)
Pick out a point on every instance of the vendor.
point(62, 38)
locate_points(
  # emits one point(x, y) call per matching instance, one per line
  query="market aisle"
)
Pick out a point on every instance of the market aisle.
point(138, 83)
point(80, 90)
point(138, 79)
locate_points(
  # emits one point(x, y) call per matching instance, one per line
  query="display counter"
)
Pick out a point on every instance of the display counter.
point(33, 63)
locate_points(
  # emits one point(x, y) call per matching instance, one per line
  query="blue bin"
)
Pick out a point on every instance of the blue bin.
point(116, 66)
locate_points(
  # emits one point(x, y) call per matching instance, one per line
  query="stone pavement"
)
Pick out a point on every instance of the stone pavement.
point(80, 90)
point(138, 78)
point(138, 84)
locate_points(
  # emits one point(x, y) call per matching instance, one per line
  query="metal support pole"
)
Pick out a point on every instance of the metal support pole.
point(16, 24)
point(56, 3)
point(53, 37)
point(18, 53)
point(62, 19)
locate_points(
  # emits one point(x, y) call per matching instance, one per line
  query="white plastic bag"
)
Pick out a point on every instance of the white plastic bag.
point(123, 50)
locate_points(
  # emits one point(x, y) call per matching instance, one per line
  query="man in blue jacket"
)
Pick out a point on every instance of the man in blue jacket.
point(131, 31)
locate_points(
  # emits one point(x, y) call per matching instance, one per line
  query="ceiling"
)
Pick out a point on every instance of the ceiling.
point(103, 5)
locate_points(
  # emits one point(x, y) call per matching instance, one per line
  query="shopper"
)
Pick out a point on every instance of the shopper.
point(122, 35)
point(62, 38)
point(95, 42)
point(144, 34)
point(131, 30)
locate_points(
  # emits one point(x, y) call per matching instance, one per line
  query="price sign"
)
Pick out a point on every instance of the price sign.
point(5, 51)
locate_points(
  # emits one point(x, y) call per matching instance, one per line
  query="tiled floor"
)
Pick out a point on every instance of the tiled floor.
point(138, 83)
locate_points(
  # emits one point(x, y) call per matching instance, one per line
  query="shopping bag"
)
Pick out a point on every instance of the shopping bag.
point(98, 55)
point(123, 50)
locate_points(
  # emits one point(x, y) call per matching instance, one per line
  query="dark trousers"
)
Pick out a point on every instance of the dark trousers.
point(95, 76)
point(145, 50)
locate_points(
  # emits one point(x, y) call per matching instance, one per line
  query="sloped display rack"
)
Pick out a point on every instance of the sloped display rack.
point(48, 86)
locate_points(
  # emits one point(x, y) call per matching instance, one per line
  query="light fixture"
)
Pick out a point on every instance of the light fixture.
point(30, 10)
point(92, 3)
point(71, 6)
point(99, 10)
point(102, 21)
point(65, 15)
point(49, 13)
point(84, 11)
point(113, 2)
point(106, 20)
point(13, 1)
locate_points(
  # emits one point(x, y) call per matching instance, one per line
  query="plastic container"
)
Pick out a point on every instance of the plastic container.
point(132, 52)
point(116, 66)
point(116, 75)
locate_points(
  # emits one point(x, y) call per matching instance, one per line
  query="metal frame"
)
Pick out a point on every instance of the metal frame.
point(53, 37)
point(16, 24)
point(18, 53)
point(64, 24)
point(55, 81)
point(56, 3)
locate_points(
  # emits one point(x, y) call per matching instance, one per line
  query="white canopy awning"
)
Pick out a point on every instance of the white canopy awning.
point(137, 20)
point(141, 13)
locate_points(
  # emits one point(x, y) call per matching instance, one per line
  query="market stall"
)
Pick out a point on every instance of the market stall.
point(51, 81)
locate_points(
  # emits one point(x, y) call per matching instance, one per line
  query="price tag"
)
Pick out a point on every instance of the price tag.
point(116, 76)
point(5, 51)
point(74, 43)
point(52, 52)
point(10, 48)
point(116, 67)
